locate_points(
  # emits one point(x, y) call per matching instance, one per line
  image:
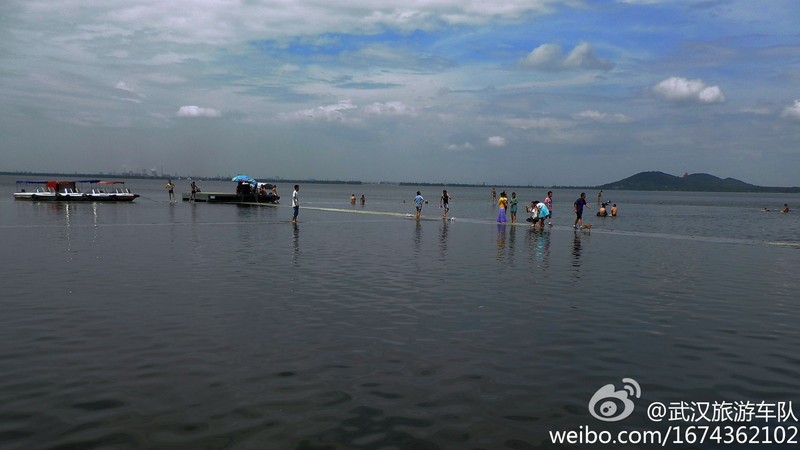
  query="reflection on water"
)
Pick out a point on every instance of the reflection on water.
point(576, 252)
point(295, 243)
point(540, 243)
point(417, 238)
point(501, 242)
point(512, 237)
point(443, 240)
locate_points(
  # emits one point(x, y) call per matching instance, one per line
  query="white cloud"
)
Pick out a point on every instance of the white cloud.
point(711, 94)
point(757, 111)
point(391, 109)
point(460, 147)
point(288, 68)
point(544, 55)
point(123, 86)
point(128, 99)
point(679, 89)
point(496, 141)
point(550, 57)
point(602, 117)
point(196, 111)
point(546, 123)
point(330, 113)
point(792, 111)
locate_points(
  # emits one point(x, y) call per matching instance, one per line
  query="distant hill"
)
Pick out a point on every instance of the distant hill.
point(660, 181)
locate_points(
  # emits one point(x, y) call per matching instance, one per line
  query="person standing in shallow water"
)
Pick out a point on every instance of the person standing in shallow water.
point(548, 201)
point(578, 206)
point(444, 203)
point(193, 189)
point(295, 203)
point(418, 201)
point(502, 204)
point(512, 206)
point(170, 187)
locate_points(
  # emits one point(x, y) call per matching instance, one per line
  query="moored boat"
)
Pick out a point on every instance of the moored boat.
point(111, 191)
point(247, 191)
point(68, 191)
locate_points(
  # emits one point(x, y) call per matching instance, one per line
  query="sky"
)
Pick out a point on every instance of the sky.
point(513, 92)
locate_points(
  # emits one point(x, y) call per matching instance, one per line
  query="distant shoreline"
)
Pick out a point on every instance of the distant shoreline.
point(616, 186)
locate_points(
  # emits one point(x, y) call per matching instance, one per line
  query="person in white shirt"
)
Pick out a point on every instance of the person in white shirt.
point(295, 203)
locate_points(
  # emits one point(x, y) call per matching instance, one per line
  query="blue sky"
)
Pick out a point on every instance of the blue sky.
point(544, 92)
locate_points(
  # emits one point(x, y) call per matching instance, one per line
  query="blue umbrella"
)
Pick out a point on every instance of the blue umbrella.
point(244, 178)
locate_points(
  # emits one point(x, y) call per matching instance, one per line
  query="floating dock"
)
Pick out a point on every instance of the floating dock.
point(225, 197)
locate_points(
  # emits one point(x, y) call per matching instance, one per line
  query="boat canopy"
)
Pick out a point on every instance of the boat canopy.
point(65, 184)
point(64, 181)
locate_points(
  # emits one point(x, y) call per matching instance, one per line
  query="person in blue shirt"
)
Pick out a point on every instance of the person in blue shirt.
point(543, 212)
point(419, 200)
point(578, 206)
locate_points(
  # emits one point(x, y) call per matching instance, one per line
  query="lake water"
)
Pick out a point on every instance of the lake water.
point(206, 326)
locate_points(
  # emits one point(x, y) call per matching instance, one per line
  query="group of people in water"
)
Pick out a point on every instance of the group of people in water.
point(539, 211)
point(603, 211)
point(353, 200)
point(444, 204)
point(170, 187)
point(785, 208)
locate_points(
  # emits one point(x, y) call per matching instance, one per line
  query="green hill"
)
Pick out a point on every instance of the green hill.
point(660, 181)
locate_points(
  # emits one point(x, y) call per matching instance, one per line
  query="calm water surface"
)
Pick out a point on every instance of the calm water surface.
point(197, 326)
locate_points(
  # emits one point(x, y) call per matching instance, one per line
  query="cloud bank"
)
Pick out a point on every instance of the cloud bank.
point(679, 89)
point(196, 111)
point(549, 57)
point(497, 141)
point(792, 111)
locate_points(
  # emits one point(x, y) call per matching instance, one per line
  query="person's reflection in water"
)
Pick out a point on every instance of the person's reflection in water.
point(576, 250)
point(295, 243)
point(541, 246)
point(501, 241)
point(174, 232)
point(443, 240)
point(418, 237)
point(512, 234)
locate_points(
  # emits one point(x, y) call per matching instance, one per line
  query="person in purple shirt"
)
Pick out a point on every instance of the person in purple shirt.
point(578, 206)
